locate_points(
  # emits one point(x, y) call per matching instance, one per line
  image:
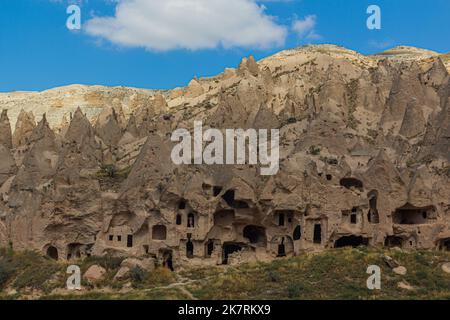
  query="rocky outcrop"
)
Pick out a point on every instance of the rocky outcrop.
point(364, 160)
point(5, 130)
point(24, 127)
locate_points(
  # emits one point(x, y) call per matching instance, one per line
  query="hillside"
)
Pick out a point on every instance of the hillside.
point(364, 159)
point(335, 274)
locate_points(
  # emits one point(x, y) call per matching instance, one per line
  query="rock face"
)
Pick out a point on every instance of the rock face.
point(364, 160)
point(94, 273)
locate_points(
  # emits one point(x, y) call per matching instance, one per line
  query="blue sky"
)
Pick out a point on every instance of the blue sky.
point(147, 46)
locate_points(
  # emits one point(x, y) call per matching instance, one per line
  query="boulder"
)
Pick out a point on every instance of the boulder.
point(446, 267)
point(122, 274)
point(400, 270)
point(147, 264)
point(405, 285)
point(94, 273)
point(390, 262)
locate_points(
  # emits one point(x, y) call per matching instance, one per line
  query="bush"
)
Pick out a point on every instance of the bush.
point(108, 262)
point(6, 272)
point(137, 275)
point(314, 150)
point(294, 290)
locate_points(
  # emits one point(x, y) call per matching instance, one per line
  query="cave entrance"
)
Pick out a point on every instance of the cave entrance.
point(189, 249)
point(393, 241)
point(281, 249)
point(209, 248)
point(352, 183)
point(409, 214)
point(182, 205)
point(373, 216)
point(178, 220)
point(167, 259)
point(297, 233)
point(281, 219)
point(444, 244)
point(317, 238)
point(159, 232)
point(229, 248)
point(229, 198)
point(191, 220)
point(255, 234)
point(74, 251)
point(217, 190)
point(52, 252)
point(351, 241)
point(129, 241)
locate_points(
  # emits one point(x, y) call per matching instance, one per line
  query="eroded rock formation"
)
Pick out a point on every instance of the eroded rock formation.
point(364, 160)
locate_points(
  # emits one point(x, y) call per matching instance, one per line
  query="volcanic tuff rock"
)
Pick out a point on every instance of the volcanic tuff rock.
point(364, 160)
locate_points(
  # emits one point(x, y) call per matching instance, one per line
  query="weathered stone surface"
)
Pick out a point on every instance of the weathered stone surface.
point(446, 267)
point(400, 270)
point(405, 286)
point(122, 274)
point(364, 160)
point(94, 273)
point(5, 130)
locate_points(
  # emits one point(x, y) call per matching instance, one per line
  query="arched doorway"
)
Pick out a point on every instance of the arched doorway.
point(52, 252)
point(256, 235)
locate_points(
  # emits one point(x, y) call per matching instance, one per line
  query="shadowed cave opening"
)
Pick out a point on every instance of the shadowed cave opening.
point(373, 216)
point(297, 233)
point(317, 238)
point(74, 251)
point(189, 249)
point(255, 234)
point(409, 214)
point(229, 198)
point(191, 220)
point(281, 219)
point(217, 190)
point(209, 248)
point(167, 259)
point(351, 241)
point(444, 244)
point(281, 249)
point(129, 241)
point(229, 248)
point(52, 252)
point(182, 205)
point(393, 241)
point(350, 183)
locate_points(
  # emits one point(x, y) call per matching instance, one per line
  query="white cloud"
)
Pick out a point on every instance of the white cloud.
point(162, 25)
point(305, 29)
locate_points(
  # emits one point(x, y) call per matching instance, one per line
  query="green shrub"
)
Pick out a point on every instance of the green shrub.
point(6, 272)
point(314, 150)
point(137, 275)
